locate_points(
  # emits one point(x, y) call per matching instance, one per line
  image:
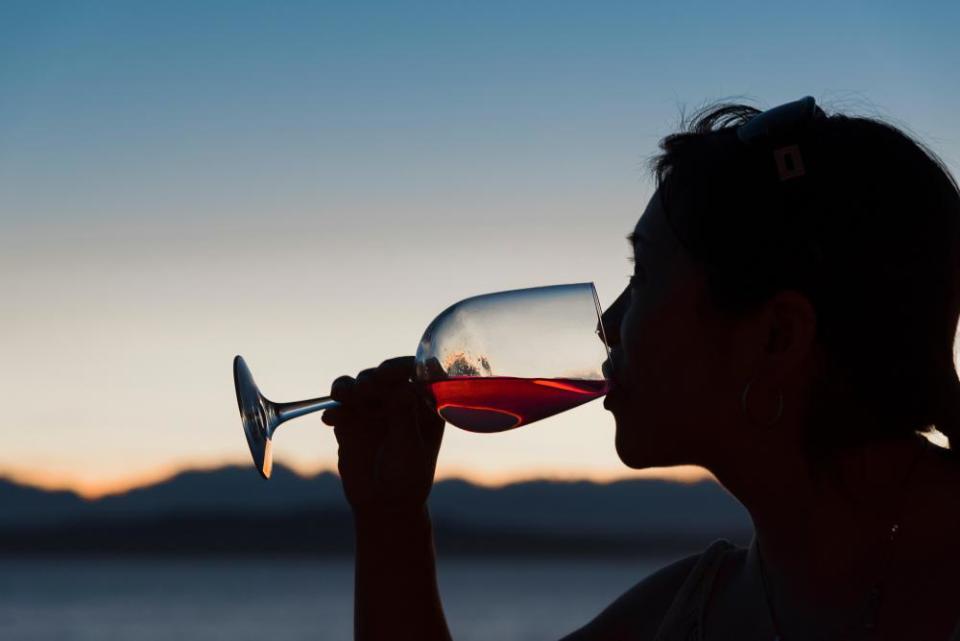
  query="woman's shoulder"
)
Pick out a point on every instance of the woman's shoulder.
point(665, 594)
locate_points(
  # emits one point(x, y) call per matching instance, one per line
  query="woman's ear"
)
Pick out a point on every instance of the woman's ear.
point(791, 335)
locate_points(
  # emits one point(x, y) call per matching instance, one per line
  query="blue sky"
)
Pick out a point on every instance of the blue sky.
point(309, 183)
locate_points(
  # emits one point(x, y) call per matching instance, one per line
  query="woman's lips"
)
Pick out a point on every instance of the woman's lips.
point(614, 390)
point(612, 396)
point(607, 369)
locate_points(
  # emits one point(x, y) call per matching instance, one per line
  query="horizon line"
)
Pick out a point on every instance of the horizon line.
point(88, 489)
point(94, 489)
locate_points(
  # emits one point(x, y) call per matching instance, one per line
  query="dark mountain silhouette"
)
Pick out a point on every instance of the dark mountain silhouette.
point(232, 511)
point(581, 507)
point(227, 489)
point(22, 504)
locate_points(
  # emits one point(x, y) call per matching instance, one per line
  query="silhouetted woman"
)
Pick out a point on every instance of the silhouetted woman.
point(790, 326)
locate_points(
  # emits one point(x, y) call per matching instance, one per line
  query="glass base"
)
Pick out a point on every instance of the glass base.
point(256, 412)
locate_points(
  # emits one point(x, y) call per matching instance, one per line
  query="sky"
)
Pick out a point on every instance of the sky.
point(309, 183)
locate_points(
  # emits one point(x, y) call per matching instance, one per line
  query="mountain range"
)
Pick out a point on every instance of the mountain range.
point(231, 510)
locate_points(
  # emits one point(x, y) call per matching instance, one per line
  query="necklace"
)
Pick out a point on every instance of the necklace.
point(868, 616)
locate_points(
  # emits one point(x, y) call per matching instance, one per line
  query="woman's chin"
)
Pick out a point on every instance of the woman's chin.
point(639, 450)
point(636, 454)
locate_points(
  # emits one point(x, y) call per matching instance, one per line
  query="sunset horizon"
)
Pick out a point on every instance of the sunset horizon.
point(92, 489)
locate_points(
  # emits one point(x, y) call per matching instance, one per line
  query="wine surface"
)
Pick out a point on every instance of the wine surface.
point(498, 403)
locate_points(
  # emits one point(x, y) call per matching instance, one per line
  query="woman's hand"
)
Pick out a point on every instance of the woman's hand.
point(389, 438)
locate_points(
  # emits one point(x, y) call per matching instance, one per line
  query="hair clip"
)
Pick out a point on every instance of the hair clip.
point(789, 162)
point(777, 123)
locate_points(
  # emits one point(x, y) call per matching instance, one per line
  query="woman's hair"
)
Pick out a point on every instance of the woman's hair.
point(873, 243)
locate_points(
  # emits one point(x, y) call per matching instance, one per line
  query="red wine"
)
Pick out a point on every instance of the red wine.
point(498, 403)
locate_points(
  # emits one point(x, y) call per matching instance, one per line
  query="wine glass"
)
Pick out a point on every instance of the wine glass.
point(488, 363)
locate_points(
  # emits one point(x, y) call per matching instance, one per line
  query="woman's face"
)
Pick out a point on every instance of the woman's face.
point(675, 385)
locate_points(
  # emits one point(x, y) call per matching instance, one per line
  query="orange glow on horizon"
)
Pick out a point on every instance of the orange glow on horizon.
point(93, 488)
point(678, 474)
point(97, 488)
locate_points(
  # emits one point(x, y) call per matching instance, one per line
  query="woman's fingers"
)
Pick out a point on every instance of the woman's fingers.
point(397, 370)
point(369, 391)
point(373, 391)
point(343, 388)
point(371, 383)
point(388, 437)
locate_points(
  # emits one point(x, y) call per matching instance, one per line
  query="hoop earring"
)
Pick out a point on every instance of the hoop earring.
point(743, 404)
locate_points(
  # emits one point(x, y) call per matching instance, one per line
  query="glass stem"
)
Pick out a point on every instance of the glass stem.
point(286, 411)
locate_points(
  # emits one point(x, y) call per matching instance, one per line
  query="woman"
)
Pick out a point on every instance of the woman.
point(789, 326)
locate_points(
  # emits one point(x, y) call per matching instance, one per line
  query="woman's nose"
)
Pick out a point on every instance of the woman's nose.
point(610, 319)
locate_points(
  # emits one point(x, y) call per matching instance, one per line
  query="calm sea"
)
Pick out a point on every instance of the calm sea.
point(507, 600)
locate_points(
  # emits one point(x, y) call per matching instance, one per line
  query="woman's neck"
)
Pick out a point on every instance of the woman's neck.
point(823, 540)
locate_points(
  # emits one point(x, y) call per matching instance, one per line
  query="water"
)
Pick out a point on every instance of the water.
point(199, 600)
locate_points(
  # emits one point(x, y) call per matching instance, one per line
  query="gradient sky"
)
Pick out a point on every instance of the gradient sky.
point(308, 184)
